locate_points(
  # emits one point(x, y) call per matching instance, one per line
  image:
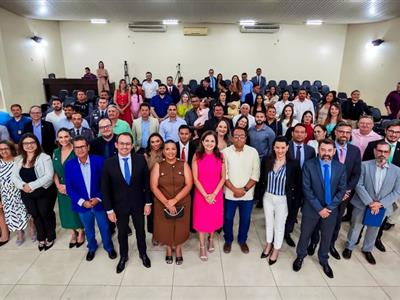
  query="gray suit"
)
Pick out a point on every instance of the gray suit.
point(365, 194)
point(85, 132)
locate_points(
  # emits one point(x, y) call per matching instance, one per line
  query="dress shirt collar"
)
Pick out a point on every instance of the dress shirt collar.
point(296, 144)
point(38, 124)
point(122, 157)
point(322, 163)
point(386, 165)
point(86, 163)
point(338, 146)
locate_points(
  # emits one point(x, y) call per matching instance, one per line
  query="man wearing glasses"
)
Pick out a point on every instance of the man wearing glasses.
point(104, 145)
point(242, 165)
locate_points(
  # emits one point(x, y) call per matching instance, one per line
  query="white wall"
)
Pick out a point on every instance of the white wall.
point(374, 70)
point(23, 65)
point(296, 52)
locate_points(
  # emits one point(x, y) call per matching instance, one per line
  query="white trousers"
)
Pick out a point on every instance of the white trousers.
point(275, 211)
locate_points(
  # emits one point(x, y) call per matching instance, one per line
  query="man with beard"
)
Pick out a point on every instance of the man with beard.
point(377, 189)
point(57, 114)
point(82, 104)
point(66, 122)
point(17, 123)
point(324, 186)
point(159, 103)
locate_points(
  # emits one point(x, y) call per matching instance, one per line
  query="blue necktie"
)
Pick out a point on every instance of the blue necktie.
point(327, 185)
point(126, 171)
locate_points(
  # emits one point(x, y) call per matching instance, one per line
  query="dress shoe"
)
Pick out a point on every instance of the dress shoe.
point(121, 264)
point(327, 270)
point(129, 231)
point(265, 255)
point(346, 253)
point(227, 248)
point(79, 244)
point(370, 258)
point(311, 249)
point(112, 254)
point(245, 249)
point(379, 245)
point(290, 241)
point(90, 255)
point(298, 262)
point(387, 226)
point(346, 218)
point(145, 260)
point(334, 253)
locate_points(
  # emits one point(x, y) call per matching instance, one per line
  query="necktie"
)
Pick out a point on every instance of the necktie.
point(258, 80)
point(211, 83)
point(341, 155)
point(102, 114)
point(298, 154)
point(183, 155)
point(327, 185)
point(170, 89)
point(127, 173)
point(391, 155)
point(77, 132)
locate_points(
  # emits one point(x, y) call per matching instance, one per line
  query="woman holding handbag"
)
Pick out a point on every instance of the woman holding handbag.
point(171, 182)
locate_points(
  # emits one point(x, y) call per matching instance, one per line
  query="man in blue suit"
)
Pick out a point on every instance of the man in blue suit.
point(83, 178)
point(324, 186)
point(260, 80)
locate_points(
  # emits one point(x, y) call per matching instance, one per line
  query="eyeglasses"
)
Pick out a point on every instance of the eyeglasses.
point(4, 149)
point(104, 127)
point(80, 147)
point(124, 144)
point(28, 143)
point(382, 151)
point(344, 132)
point(241, 137)
point(393, 132)
point(35, 112)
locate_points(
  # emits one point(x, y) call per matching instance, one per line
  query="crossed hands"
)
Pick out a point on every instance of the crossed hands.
point(324, 213)
point(92, 202)
point(375, 206)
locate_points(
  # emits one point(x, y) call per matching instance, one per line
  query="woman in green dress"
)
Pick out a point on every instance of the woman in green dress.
point(69, 219)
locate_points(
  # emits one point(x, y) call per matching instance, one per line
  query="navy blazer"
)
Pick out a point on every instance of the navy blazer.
point(174, 94)
point(309, 152)
point(352, 164)
point(249, 99)
point(313, 187)
point(75, 184)
point(48, 136)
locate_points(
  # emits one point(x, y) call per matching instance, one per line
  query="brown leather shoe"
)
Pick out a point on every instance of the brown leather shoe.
point(245, 249)
point(227, 248)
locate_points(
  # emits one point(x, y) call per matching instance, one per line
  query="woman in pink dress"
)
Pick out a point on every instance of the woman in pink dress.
point(136, 100)
point(123, 101)
point(209, 178)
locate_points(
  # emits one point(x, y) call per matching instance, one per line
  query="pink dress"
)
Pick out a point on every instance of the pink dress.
point(135, 105)
point(208, 217)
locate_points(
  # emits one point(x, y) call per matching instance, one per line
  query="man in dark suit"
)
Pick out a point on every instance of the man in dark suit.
point(82, 180)
point(99, 113)
point(350, 156)
point(104, 145)
point(392, 136)
point(250, 98)
point(126, 191)
point(185, 146)
point(78, 129)
point(260, 80)
point(301, 153)
point(172, 90)
point(42, 129)
point(324, 186)
point(213, 80)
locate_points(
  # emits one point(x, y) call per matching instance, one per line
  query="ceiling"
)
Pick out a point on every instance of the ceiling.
point(207, 11)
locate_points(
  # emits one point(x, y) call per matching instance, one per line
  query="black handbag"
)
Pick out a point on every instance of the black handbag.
point(179, 213)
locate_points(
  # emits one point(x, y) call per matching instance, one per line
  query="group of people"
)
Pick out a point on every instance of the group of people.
point(180, 170)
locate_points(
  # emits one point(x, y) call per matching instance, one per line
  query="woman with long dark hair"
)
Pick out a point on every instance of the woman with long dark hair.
point(123, 101)
point(208, 203)
point(258, 105)
point(324, 107)
point(280, 175)
point(287, 118)
point(307, 120)
point(334, 117)
point(33, 173)
point(223, 134)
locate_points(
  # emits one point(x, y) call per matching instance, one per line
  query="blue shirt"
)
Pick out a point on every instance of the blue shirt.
point(169, 129)
point(37, 131)
point(322, 163)
point(145, 133)
point(261, 139)
point(86, 173)
point(16, 128)
point(4, 117)
point(160, 105)
point(247, 87)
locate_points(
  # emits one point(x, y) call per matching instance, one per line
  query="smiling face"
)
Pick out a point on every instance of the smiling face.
point(307, 119)
point(124, 145)
point(242, 123)
point(64, 138)
point(29, 145)
point(334, 111)
point(209, 143)
point(155, 143)
point(392, 134)
point(170, 151)
point(222, 128)
point(281, 149)
point(319, 133)
point(288, 112)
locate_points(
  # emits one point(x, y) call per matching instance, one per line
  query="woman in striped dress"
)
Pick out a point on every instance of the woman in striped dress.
point(15, 214)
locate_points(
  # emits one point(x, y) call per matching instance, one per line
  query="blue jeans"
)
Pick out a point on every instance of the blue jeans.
point(88, 219)
point(245, 209)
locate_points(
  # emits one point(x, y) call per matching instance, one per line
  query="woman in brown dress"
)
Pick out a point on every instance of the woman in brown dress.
point(171, 182)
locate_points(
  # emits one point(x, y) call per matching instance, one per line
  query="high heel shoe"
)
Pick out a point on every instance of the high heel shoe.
point(203, 254)
point(211, 247)
point(41, 246)
point(265, 254)
point(272, 261)
point(48, 245)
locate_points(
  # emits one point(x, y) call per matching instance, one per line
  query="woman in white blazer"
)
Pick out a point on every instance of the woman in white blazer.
point(33, 175)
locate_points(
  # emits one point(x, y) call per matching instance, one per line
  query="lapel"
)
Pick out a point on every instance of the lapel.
point(386, 180)
point(396, 154)
point(133, 170)
point(80, 177)
point(317, 166)
point(120, 172)
point(371, 174)
point(92, 176)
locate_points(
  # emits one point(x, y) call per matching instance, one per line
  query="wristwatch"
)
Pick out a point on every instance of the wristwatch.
point(246, 189)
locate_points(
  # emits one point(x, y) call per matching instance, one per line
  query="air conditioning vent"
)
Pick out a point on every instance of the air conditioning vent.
point(147, 27)
point(195, 31)
point(260, 28)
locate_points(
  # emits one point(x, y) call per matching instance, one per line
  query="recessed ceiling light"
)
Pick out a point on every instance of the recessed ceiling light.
point(170, 22)
point(247, 22)
point(43, 10)
point(314, 22)
point(98, 21)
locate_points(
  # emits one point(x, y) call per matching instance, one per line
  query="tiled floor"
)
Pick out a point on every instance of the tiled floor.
point(63, 273)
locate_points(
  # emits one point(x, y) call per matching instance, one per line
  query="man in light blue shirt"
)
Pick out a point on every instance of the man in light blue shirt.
point(247, 86)
point(169, 127)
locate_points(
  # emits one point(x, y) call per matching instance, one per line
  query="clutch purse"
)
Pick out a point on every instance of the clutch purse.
point(179, 213)
point(374, 220)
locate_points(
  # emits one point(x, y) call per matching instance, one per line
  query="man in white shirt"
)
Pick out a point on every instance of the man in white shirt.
point(242, 166)
point(170, 126)
point(149, 87)
point(302, 104)
point(57, 114)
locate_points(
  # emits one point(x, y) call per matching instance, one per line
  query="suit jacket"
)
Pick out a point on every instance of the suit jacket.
point(94, 120)
point(174, 94)
point(137, 130)
point(309, 152)
point(97, 147)
point(192, 151)
point(117, 194)
point(369, 152)
point(313, 187)
point(250, 99)
point(263, 83)
point(365, 189)
point(85, 132)
point(352, 164)
point(48, 136)
point(75, 184)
